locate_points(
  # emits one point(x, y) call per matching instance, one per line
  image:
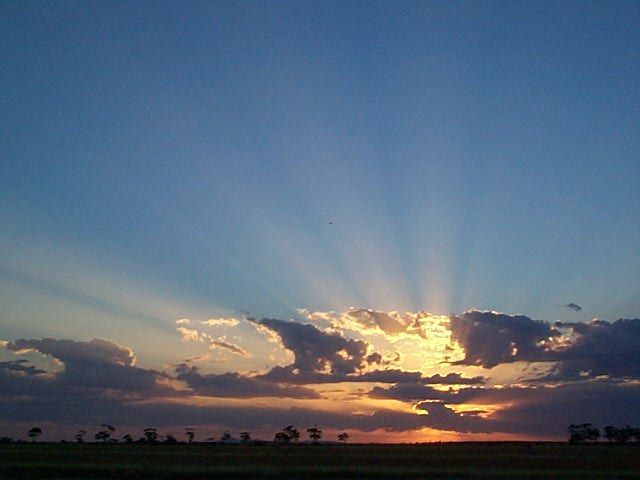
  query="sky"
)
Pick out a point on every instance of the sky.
point(409, 221)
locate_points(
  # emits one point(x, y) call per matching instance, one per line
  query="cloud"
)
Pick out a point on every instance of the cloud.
point(600, 348)
point(573, 306)
point(490, 338)
point(406, 392)
point(538, 411)
point(290, 374)
point(391, 324)
point(422, 389)
point(576, 349)
point(319, 352)
point(18, 367)
point(191, 335)
point(443, 417)
point(593, 377)
point(545, 410)
point(234, 385)
point(97, 364)
point(221, 343)
point(227, 322)
point(97, 350)
point(453, 378)
point(322, 357)
point(20, 379)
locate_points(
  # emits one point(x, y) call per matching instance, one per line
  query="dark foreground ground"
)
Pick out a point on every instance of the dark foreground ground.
point(427, 461)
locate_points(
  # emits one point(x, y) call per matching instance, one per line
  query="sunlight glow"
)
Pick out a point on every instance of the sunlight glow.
point(481, 410)
point(419, 341)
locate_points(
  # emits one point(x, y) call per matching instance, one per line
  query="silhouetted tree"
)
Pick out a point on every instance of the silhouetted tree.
point(105, 433)
point(343, 437)
point(127, 439)
point(226, 436)
point(170, 440)
point(34, 433)
point(245, 437)
point(583, 433)
point(291, 432)
point(281, 438)
point(151, 435)
point(619, 436)
point(80, 436)
point(315, 434)
point(610, 433)
point(189, 433)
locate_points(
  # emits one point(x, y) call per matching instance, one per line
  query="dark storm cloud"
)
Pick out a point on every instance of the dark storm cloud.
point(453, 379)
point(600, 348)
point(406, 392)
point(537, 411)
point(547, 410)
point(317, 351)
point(541, 411)
point(390, 376)
point(420, 389)
point(234, 385)
point(97, 350)
point(97, 364)
point(290, 374)
point(443, 417)
point(19, 366)
point(577, 349)
point(573, 306)
point(18, 378)
point(490, 338)
point(109, 376)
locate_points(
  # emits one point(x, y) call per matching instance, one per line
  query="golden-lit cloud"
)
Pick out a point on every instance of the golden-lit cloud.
point(417, 340)
point(189, 335)
point(227, 322)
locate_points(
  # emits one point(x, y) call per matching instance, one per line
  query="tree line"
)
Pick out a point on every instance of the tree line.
point(150, 436)
point(588, 433)
point(582, 433)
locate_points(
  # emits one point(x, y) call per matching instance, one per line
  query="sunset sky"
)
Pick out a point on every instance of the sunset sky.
point(409, 221)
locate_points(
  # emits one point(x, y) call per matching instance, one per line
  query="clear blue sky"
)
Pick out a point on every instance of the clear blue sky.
point(168, 160)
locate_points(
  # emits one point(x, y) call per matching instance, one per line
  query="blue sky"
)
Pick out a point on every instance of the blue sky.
point(220, 160)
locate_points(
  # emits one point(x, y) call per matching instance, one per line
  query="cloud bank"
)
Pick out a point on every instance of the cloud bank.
point(479, 373)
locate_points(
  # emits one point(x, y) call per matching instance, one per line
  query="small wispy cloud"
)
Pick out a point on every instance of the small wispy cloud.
point(222, 343)
point(227, 322)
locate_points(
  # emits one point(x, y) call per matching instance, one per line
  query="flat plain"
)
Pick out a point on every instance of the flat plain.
point(520, 461)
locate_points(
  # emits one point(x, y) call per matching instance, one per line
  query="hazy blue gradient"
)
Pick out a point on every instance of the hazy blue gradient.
point(266, 156)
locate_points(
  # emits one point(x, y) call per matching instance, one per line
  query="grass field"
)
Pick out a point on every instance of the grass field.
point(427, 461)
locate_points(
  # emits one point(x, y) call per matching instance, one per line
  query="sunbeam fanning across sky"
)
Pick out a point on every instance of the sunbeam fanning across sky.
point(411, 221)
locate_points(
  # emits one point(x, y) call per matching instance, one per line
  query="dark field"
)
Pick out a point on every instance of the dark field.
point(427, 461)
